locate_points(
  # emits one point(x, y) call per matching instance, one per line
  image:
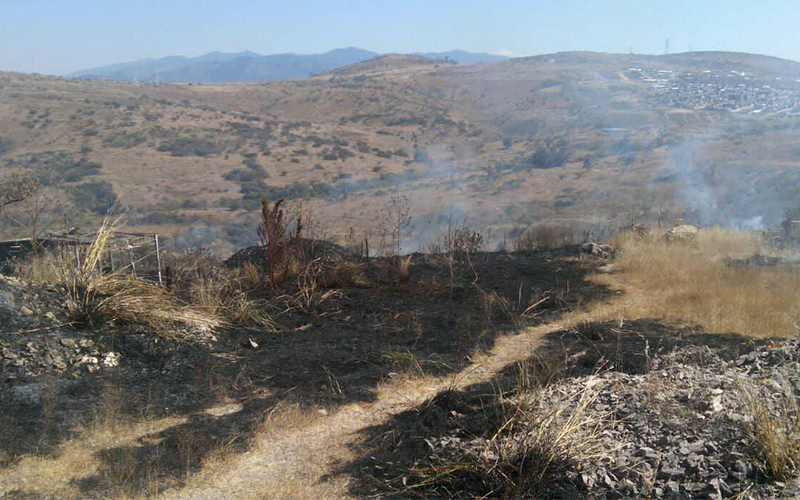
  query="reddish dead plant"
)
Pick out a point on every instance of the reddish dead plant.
point(273, 235)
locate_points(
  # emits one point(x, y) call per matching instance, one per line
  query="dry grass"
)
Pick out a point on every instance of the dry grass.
point(221, 296)
point(526, 452)
point(692, 283)
point(776, 435)
point(348, 275)
point(59, 475)
point(398, 268)
point(94, 298)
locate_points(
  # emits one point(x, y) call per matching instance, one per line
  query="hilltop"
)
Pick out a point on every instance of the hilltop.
point(587, 140)
point(247, 66)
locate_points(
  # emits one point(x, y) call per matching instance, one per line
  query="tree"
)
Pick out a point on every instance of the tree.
point(17, 188)
point(29, 205)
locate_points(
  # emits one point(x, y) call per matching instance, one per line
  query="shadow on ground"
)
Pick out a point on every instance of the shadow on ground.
point(431, 324)
point(391, 456)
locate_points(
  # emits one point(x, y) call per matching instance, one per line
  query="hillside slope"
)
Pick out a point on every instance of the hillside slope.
point(219, 67)
point(585, 139)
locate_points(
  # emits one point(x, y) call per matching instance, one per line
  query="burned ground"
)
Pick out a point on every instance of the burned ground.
point(430, 323)
point(448, 447)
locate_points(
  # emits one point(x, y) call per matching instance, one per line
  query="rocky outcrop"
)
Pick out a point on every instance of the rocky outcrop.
point(682, 233)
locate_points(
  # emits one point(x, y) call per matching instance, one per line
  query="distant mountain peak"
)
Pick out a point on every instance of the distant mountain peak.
point(221, 67)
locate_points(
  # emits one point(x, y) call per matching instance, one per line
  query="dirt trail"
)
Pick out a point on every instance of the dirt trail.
point(295, 464)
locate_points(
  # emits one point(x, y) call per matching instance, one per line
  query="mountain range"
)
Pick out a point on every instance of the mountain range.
point(220, 67)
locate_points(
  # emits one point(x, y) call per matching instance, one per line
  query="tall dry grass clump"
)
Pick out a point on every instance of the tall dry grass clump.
point(93, 297)
point(694, 281)
point(223, 296)
point(529, 449)
point(775, 435)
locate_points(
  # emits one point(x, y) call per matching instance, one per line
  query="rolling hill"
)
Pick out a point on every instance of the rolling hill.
point(588, 140)
point(219, 67)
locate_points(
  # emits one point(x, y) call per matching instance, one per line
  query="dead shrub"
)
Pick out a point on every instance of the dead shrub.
point(554, 236)
point(496, 307)
point(394, 224)
point(544, 237)
point(275, 237)
point(399, 268)
point(464, 240)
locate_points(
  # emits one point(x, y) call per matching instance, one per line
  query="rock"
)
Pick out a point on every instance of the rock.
point(682, 233)
point(69, 343)
point(49, 315)
point(26, 311)
point(602, 251)
point(88, 360)
point(111, 359)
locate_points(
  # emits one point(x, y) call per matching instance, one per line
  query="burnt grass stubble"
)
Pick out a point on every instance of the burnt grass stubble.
point(695, 451)
point(433, 323)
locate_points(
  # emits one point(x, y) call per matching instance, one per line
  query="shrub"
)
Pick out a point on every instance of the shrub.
point(76, 172)
point(5, 145)
point(544, 237)
point(95, 197)
point(125, 140)
point(547, 158)
point(187, 146)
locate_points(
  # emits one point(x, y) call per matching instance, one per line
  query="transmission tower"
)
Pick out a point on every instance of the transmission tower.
point(666, 46)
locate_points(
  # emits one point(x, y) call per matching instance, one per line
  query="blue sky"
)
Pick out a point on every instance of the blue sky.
point(59, 36)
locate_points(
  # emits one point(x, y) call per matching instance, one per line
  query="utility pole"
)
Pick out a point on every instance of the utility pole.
point(666, 47)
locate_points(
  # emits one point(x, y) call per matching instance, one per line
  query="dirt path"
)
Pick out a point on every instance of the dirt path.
point(295, 464)
point(299, 464)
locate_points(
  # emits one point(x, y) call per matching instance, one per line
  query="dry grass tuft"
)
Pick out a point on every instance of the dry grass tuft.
point(496, 307)
point(399, 268)
point(348, 275)
point(221, 296)
point(95, 298)
point(776, 435)
point(692, 282)
point(524, 455)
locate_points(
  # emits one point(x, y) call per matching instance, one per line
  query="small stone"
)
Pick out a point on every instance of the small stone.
point(26, 311)
point(69, 343)
point(49, 315)
point(111, 359)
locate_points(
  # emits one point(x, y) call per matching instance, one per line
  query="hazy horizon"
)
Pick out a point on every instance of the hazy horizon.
point(52, 37)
